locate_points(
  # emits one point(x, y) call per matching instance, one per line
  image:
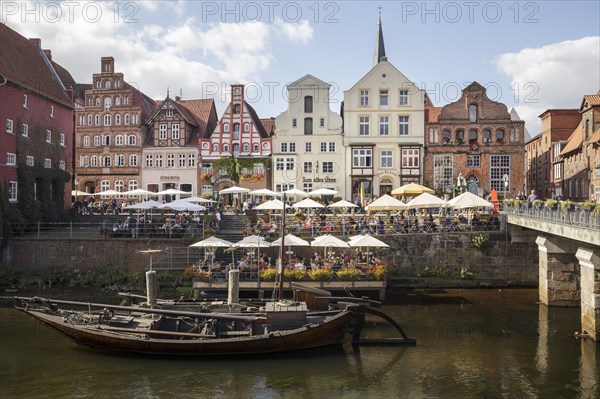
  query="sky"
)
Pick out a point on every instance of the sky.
point(530, 55)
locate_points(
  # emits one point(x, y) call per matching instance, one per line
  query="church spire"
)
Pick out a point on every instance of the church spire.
point(379, 46)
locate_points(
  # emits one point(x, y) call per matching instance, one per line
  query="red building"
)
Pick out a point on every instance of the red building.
point(36, 128)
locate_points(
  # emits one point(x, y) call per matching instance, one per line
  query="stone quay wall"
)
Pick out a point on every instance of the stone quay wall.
point(442, 259)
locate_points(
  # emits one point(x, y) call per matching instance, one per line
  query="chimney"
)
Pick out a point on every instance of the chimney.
point(36, 41)
point(177, 98)
point(48, 54)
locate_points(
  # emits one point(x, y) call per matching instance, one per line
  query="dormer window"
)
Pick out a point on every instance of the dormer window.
point(169, 113)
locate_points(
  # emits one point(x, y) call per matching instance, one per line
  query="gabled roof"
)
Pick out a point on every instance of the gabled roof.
point(23, 63)
point(187, 115)
point(595, 138)
point(375, 70)
point(141, 100)
point(591, 100)
point(269, 125)
point(432, 114)
point(488, 109)
point(308, 77)
point(205, 114)
point(259, 126)
point(575, 140)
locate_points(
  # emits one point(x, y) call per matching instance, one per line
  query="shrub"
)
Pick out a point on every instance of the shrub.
point(480, 242)
point(294, 274)
point(268, 274)
point(320, 274)
point(348, 273)
point(566, 204)
point(376, 272)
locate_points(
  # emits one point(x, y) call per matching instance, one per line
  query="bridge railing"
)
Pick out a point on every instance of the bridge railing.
point(574, 215)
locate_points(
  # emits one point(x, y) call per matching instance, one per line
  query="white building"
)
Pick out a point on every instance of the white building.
point(383, 128)
point(307, 148)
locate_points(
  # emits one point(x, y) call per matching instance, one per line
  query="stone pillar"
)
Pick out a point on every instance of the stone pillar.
point(589, 260)
point(559, 272)
point(233, 294)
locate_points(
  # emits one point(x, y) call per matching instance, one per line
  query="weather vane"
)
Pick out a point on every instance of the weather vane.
point(379, 7)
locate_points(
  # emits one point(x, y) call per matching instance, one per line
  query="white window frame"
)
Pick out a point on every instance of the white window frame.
point(327, 167)
point(30, 160)
point(384, 125)
point(10, 126)
point(25, 101)
point(362, 157)
point(308, 147)
point(62, 139)
point(175, 131)
point(162, 131)
point(119, 140)
point(13, 190)
point(61, 165)
point(181, 160)
point(387, 159)
point(363, 96)
point(364, 125)
point(411, 158)
point(48, 136)
point(47, 163)
point(403, 125)
point(403, 97)
point(25, 130)
point(308, 167)
point(11, 159)
point(133, 160)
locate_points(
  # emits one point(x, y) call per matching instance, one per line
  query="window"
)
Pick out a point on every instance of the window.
point(107, 84)
point(159, 160)
point(133, 160)
point(117, 100)
point(294, 122)
point(12, 191)
point(226, 128)
point(52, 111)
point(25, 102)
point(90, 119)
point(125, 100)
point(25, 130)
point(403, 125)
point(361, 158)
point(61, 165)
point(131, 139)
point(94, 161)
point(236, 109)
point(308, 126)
point(323, 146)
point(331, 146)
point(246, 148)
point(106, 140)
point(308, 167)
point(328, 146)
point(119, 140)
point(105, 162)
point(307, 187)
point(403, 97)
point(386, 159)
point(246, 127)
point(236, 150)
point(410, 158)
point(290, 164)
point(364, 98)
point(288, 147)
point(322, 122)
point(81, 120)
point(97, 102)
point(104, 185)
point(278, 163)
point(225, 148)
point(117, 119)
point(236, 131)
point(327, 167)
point(487, 136)
point(181, 162)
point(308, 104)
point(499, 166)
point(96, 141)
point(191, 160)
point(149, 161)
point(126, 119)
point(62, 139)
point(473, 161)
point(175, 131)
point(472, 136)
point(48, 136)
point(170, 160)
point(30, 161)
point(383, 98)
point(9, 126)
point(11, 159)
point(107, 103)
point(162, 131)
point(307, 147)
point(132, 185)
point(443, 175)
point(215, 147)
point(460, 136)
point(364, 126)
point(47, 163)
point(97, 120)
point(500, 136)
point(384, 125)
point(473, 113)
point(169, 113)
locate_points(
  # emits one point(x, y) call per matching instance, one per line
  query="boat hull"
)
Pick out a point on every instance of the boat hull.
point(330, 332)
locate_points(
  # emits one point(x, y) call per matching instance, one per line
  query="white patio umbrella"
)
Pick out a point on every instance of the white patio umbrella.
point(234, 190)
point(252, 241)
point(198, 200)
point(172, 191)
point(342, 204)
point(307, 203)
point(291, 241)
point(211, 244)
point(180, 205)
point(426, 200)
point(412, 189)
point(295, 191)
point(469, 200)
point(328, 241)
point(323, 191)
point(143, 205)
point(138, 192)
point(386, 203)
point(368, 241)
point(271, 205)
point(108, 193)
point(77, 193)
point(265, 191)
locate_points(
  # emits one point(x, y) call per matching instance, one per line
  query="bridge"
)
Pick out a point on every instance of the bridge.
point(568, 240)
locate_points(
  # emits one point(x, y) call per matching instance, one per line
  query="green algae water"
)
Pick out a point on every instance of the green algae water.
point(470, 344)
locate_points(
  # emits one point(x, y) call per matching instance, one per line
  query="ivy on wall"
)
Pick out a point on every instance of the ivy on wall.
point(233, 166)
point(41, 190)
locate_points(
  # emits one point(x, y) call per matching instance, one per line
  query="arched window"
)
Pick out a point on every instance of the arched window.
point(246, 127)
point(119, 140)
point(236, 131)
point(107, 84)
point(126, 119)
point(134, 119)
point(106, 140)
point(117, 119)
point(487, 136)
point(120, 186)
point(125, 100)
point(105, 161)
point(107, 120)
point(226, 128)
point(236, 149)
point(215, 147)
point(308, 104)
point(120, 160)
point(255, 147)
point(86, 141)
point(308, 126)
point(97, 141)
point(473, 136)
point(500, 136)
point(117, 100)
point(81, 120)
point(133, 185)
point(97, 120)
point(446, 137)
point(131, 139)
point(104, 185)
point(246, 147)
point(82, 160)
point(94, 161)
point(107, 103)
point(117, 83)
point(97, 101)
point(460, 136)
point(133, 160)
point(473, 113)
point(225, 148)
point(89, 119)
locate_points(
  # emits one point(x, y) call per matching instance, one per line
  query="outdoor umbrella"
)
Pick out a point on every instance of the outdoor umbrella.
point(108, 193)
point(211, 244)
point(77, 193)
point(234, 190)
point(138, 192)
point(323, 191)
point(329, 241)
point(180, 205)
point(469, 200)
point(143, 205)
point(172, 191)
point(426, 200)
point(265, 191)
point(272, 205)
point(290, 240)
point(412, 189)
point(198, 199)
point(295, 191)
point(368, 241)
point(307, 203)
point(386, 203)
point(342, 204)
point(252, 241)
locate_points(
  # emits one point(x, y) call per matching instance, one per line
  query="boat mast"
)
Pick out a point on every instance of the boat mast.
point(281, 249)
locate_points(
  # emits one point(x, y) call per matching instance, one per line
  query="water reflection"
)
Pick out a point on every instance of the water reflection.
point(470, 344)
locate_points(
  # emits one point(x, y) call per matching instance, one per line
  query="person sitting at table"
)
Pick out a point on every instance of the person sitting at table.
point(273, 228)
point(352, 223)
point(462, 219)
point(308, 224)
point(298, 265)
point(380, 225)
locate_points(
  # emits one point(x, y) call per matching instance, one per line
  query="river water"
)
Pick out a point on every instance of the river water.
point(470, 344)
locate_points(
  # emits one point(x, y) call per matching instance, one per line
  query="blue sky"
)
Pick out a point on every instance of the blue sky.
point(531, 55)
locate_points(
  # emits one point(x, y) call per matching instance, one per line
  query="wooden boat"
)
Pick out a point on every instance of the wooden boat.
point(283, 326)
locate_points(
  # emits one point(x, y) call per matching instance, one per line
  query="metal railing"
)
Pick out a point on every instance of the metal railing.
point(574, 215)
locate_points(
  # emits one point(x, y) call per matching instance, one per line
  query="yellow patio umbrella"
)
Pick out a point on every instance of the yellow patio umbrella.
point(412, 189)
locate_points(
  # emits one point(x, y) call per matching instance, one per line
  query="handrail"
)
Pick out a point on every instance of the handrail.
point(571, 216)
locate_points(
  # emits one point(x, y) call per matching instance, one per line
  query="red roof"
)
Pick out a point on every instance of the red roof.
point(23, 63)
point(204, 113)
point(269, 125)
point(575, 140)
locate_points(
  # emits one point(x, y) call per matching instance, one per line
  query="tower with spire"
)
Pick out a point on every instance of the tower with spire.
point(384, 128)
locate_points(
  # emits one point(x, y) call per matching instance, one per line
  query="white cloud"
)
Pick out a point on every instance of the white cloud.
point(176, 51)
point(554, 76)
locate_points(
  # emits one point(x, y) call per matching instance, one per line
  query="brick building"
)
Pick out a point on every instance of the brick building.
point(477, 138)
point(543, 166)
point(36, 138)
point(110, 131)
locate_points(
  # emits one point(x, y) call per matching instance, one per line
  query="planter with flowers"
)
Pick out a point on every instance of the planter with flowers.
point(320, 274)
point(205, 177)
point(348, 273)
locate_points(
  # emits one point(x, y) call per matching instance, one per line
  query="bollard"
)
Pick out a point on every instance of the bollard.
point(234, 287)
point(151, 287)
